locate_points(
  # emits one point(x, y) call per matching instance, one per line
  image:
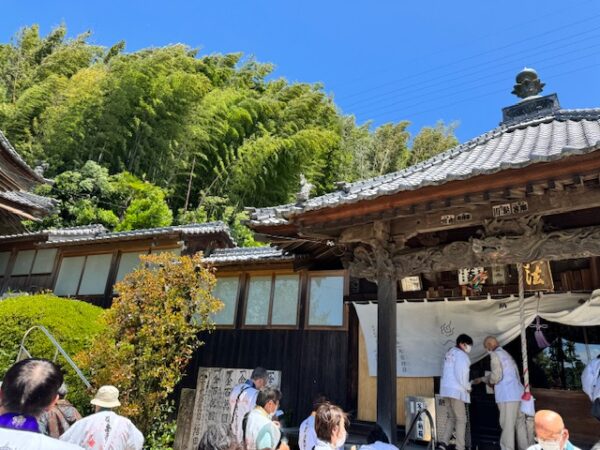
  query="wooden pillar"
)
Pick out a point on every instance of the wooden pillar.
point(383, 247)
point(374, 262)
point(386, 354)
point(595, 271)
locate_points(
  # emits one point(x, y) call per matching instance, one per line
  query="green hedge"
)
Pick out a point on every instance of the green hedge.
point(73, 323)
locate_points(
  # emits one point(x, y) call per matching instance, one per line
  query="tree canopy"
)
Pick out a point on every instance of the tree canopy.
point(120, 202)
point(194, 127)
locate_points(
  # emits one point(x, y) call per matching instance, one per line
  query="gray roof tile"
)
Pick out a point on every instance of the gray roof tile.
point(4, 143)
point(97, 233)
point(29, 200)
point(555, 136)
point(184, 230)
point(248, 254)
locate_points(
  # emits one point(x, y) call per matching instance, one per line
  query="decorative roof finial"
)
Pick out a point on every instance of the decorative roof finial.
point(528, 84)
point(41, 169)
point(305, 188)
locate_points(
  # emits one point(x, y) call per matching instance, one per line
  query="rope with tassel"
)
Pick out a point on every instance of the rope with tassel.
point(527, 393)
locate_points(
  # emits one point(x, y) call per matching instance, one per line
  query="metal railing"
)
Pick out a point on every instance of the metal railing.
point(412, 426)
point(24, 353)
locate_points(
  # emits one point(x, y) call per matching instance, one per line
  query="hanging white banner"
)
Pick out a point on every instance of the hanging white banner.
point(426, 330)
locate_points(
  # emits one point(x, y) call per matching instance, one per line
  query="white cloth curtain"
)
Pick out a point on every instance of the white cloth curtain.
point(427, 329)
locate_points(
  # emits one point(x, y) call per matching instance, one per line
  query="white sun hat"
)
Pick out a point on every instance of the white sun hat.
point(106, 397)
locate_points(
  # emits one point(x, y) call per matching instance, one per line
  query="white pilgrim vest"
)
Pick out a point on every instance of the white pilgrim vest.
point(509, 388)
point(258, 424)
point(378, 445)
point(246, 401)
point(455, 375)
point(590, 379)
point(307, 436)
point(104, 430)
point(27, 440)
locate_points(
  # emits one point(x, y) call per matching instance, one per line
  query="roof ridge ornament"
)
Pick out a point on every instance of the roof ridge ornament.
point(305, 187)
point(528, 84)
point(532, 105)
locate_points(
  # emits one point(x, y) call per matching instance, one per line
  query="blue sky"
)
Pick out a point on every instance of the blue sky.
point(421, 61)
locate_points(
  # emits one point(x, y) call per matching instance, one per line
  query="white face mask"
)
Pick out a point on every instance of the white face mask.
point(468, 348)
point(341, 441)
point(550, 445)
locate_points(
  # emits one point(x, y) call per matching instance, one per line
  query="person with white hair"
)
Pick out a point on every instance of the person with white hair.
point(105, 429)
point(60, 417)
point(508, 390)
point(29, 387)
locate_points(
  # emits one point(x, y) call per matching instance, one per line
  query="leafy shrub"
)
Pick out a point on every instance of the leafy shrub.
point(73, 323)
point(162, 434)
point(152, 333)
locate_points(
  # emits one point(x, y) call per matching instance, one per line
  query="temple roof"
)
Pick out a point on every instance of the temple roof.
point(237, 255)
point(550, 134)
point(97, 233)
point(32, 175)
point(29, 200)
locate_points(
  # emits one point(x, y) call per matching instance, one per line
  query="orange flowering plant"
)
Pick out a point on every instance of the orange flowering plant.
point(153, 328)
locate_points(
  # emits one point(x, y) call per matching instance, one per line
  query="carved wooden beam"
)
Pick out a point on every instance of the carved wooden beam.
point(585, 165)
point(553, 202)
point(555, 245)
point(471, 210)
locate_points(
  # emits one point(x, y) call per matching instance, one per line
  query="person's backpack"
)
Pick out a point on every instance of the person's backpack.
point(244, 422)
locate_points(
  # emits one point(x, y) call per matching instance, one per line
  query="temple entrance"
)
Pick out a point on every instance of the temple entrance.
point(557, 356)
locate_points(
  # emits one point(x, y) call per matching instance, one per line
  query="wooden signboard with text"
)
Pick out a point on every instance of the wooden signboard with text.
point(538, 276)
point(211, 405)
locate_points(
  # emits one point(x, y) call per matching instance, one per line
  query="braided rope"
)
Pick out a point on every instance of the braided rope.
point(527, 393)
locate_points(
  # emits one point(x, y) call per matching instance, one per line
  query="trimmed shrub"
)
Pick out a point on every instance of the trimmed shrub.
point(73, 323)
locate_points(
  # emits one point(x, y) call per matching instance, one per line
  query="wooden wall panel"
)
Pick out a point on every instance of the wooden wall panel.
point(367, 388)
point(39, 283)
point(18, 284)
point(311, 362)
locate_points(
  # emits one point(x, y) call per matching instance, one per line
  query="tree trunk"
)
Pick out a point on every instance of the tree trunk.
point(189, 188)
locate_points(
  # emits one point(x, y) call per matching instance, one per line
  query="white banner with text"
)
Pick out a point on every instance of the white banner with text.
point(427, 329)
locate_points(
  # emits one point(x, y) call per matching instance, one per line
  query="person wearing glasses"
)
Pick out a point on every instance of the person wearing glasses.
point(550, 432)
point(261, 431)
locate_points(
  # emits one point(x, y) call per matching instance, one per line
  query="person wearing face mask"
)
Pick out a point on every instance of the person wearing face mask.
point(550, 432)
point(261, 432)
point(508, 390)
point(455, 388)
point(307, 437)
point(330, 426)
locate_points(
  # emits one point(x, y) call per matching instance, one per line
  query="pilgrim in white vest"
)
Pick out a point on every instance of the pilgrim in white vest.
point(242, 400)
point(505, 379)
point(455, 388)
point(590, 383)
point(307, 436)
point(262, 432)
